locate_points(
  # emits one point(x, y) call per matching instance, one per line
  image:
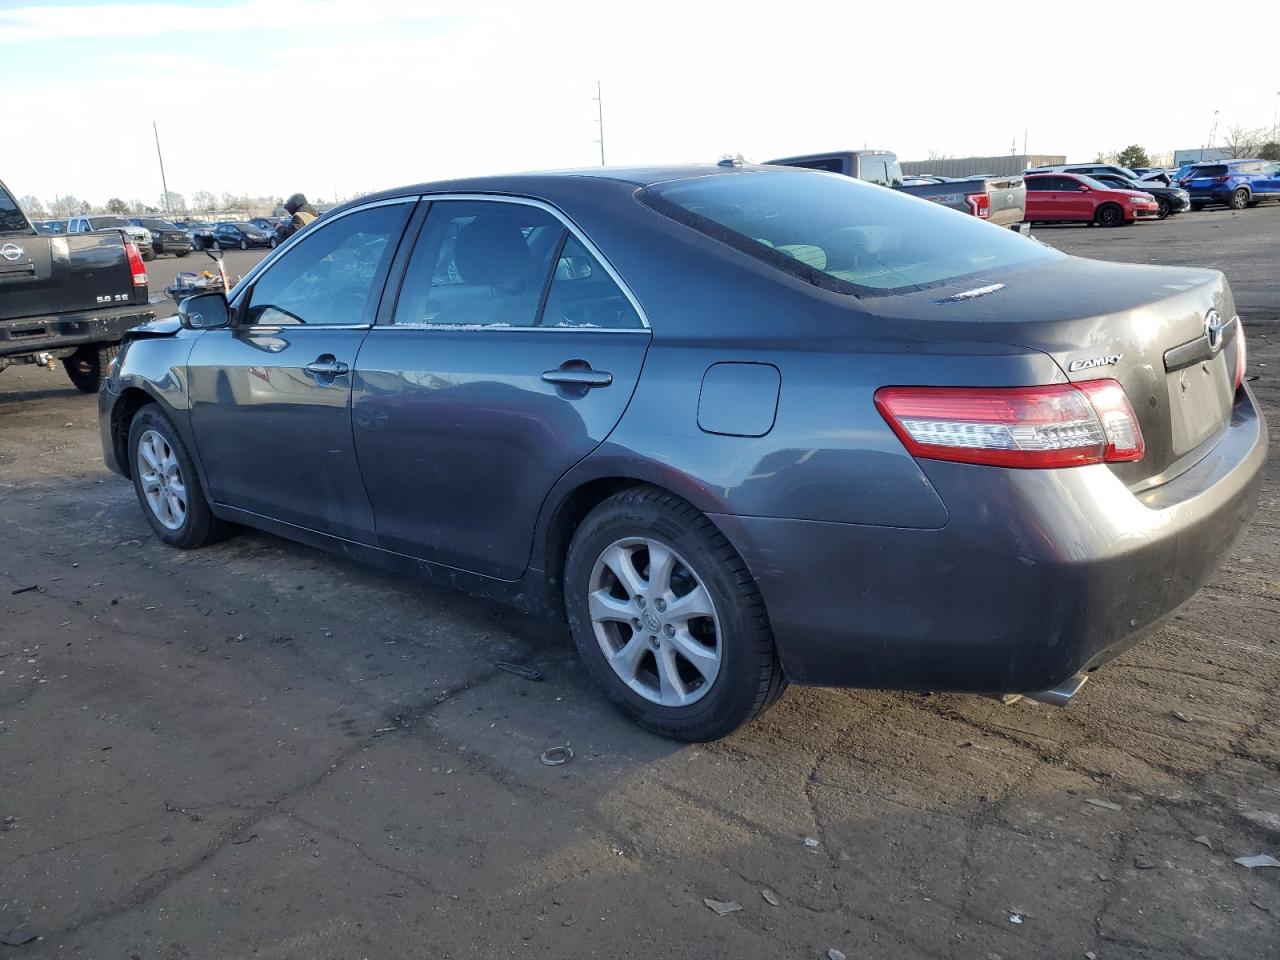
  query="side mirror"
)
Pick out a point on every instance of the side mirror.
point(204, 311)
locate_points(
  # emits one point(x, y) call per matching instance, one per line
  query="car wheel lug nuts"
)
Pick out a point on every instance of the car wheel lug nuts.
point(640, 602)
point(661, 605)
point(669, 630)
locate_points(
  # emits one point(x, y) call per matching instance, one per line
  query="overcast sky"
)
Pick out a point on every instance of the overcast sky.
point(272, 96)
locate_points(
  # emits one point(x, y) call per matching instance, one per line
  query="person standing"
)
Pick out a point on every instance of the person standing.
point(301, 215)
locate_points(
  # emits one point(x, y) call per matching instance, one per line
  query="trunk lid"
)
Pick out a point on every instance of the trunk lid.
point(1146, 327)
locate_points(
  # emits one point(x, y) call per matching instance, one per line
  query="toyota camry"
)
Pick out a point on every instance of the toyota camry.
point(737, 426)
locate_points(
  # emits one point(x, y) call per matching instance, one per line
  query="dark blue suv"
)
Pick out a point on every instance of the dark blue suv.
point(1237, 183)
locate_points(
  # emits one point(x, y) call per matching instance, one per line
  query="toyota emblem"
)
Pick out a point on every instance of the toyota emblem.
point(11, 251)
point(1213, 330)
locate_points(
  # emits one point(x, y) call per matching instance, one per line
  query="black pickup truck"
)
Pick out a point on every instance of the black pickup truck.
point(68, 298)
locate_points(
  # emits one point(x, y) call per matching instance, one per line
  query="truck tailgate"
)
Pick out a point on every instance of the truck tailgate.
point(1008, 200)
point(42, 275)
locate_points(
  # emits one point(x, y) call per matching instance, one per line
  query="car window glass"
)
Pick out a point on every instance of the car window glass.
point(873, 171)
point(11, 218)
point(479, 263)
point(1040, 184)
point(838, 233)
point(584, 295)
point(328, 276)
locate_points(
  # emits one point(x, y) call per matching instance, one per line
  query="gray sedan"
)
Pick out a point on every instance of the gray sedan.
point(737, 426)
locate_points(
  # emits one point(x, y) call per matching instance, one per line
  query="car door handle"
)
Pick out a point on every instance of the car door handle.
point(327, 366)
point(578, 377)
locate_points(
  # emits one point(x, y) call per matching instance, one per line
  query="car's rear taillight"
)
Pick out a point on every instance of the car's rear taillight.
point(979, 204)
point(136, 266)
point(1056, 425)
point(1242, 354)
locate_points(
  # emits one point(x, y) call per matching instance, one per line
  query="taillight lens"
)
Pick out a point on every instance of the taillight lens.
point(136, 266)
point(1242, 354)
point(1056, 425)
point(979, 204)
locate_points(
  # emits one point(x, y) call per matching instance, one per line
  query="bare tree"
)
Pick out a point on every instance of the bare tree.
point(173, 201)
point(938, 155)
point(33, 206)
point(1242, 142)
point(65, 207)
point(203, 200)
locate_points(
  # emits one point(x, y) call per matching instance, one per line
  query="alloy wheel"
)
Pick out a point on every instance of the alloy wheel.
point(655, 621)
point(161, 478)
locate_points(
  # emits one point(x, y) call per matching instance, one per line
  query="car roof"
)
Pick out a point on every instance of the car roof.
point(537, 182)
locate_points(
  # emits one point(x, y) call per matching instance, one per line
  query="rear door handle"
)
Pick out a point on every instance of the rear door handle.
point(327, 365)
point(578, 377)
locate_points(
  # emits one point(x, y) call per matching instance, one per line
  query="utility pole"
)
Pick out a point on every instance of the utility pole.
point(1213, 132)
point(163, 182)
point(599, 99)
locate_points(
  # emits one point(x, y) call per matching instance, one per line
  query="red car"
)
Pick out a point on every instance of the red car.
point(1068, 197)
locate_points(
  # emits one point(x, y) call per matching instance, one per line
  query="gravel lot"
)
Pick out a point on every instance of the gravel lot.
point(259, 749)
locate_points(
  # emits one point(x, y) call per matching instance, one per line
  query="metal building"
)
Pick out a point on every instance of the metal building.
point(1002, 166)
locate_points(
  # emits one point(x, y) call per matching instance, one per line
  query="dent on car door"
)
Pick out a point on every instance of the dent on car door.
point(511, 355)
point(271, 395)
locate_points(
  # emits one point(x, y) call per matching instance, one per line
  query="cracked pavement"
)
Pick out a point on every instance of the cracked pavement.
point(262, 750)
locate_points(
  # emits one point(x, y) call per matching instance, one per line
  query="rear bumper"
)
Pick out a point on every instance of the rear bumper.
point(1039, 574)
point(57, 331)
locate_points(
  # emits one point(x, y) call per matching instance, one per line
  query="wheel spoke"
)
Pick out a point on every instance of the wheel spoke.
point(626, 661)
point(671, 688)
point(146, 450)
point(702, 657)
point(175, 507)
point(695, 603)
point(620, 560)
point(602, 606)
point(661, 562)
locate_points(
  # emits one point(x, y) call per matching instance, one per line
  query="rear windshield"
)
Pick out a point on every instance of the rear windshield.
point(1215, 170)
point(839, 233)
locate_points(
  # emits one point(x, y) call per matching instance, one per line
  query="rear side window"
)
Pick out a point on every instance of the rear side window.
point(479, 264)
point(583, 294)
point(1213, 170)
point(11, 218)
point(841, 234)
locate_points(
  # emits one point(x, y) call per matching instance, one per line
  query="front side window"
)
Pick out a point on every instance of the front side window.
point(839, 233)
point(333, 274)
point(479, 264)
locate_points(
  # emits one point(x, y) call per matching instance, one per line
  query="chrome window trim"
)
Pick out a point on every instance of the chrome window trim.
point(569, 225)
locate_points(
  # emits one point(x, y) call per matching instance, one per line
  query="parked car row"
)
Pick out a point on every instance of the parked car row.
point(1110, 196)
point(233, 234)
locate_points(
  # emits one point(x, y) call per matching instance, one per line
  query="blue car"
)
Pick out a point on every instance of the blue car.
point(1236, 183)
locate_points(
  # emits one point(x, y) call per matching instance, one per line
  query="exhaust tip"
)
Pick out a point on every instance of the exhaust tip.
point(1060, 695)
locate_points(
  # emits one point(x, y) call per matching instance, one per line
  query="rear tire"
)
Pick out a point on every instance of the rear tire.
point(87, 367)
point(663, 684)
point(244, 244)
point(167, 485)
point(1240, 199)
point(1109, 215)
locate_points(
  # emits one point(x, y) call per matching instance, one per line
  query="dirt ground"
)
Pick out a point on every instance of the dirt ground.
point(262, 750)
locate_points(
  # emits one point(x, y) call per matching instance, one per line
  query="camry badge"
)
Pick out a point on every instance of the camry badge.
point(11, 251)
point(1213, 330)
point(1092, 362)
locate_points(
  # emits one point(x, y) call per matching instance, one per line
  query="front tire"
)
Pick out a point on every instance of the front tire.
point(244, 244)
point(1164, 208)
point(668, 618)
point(1240, 199)
point(1109, 215)
point(87, 367)
point(167, 485)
